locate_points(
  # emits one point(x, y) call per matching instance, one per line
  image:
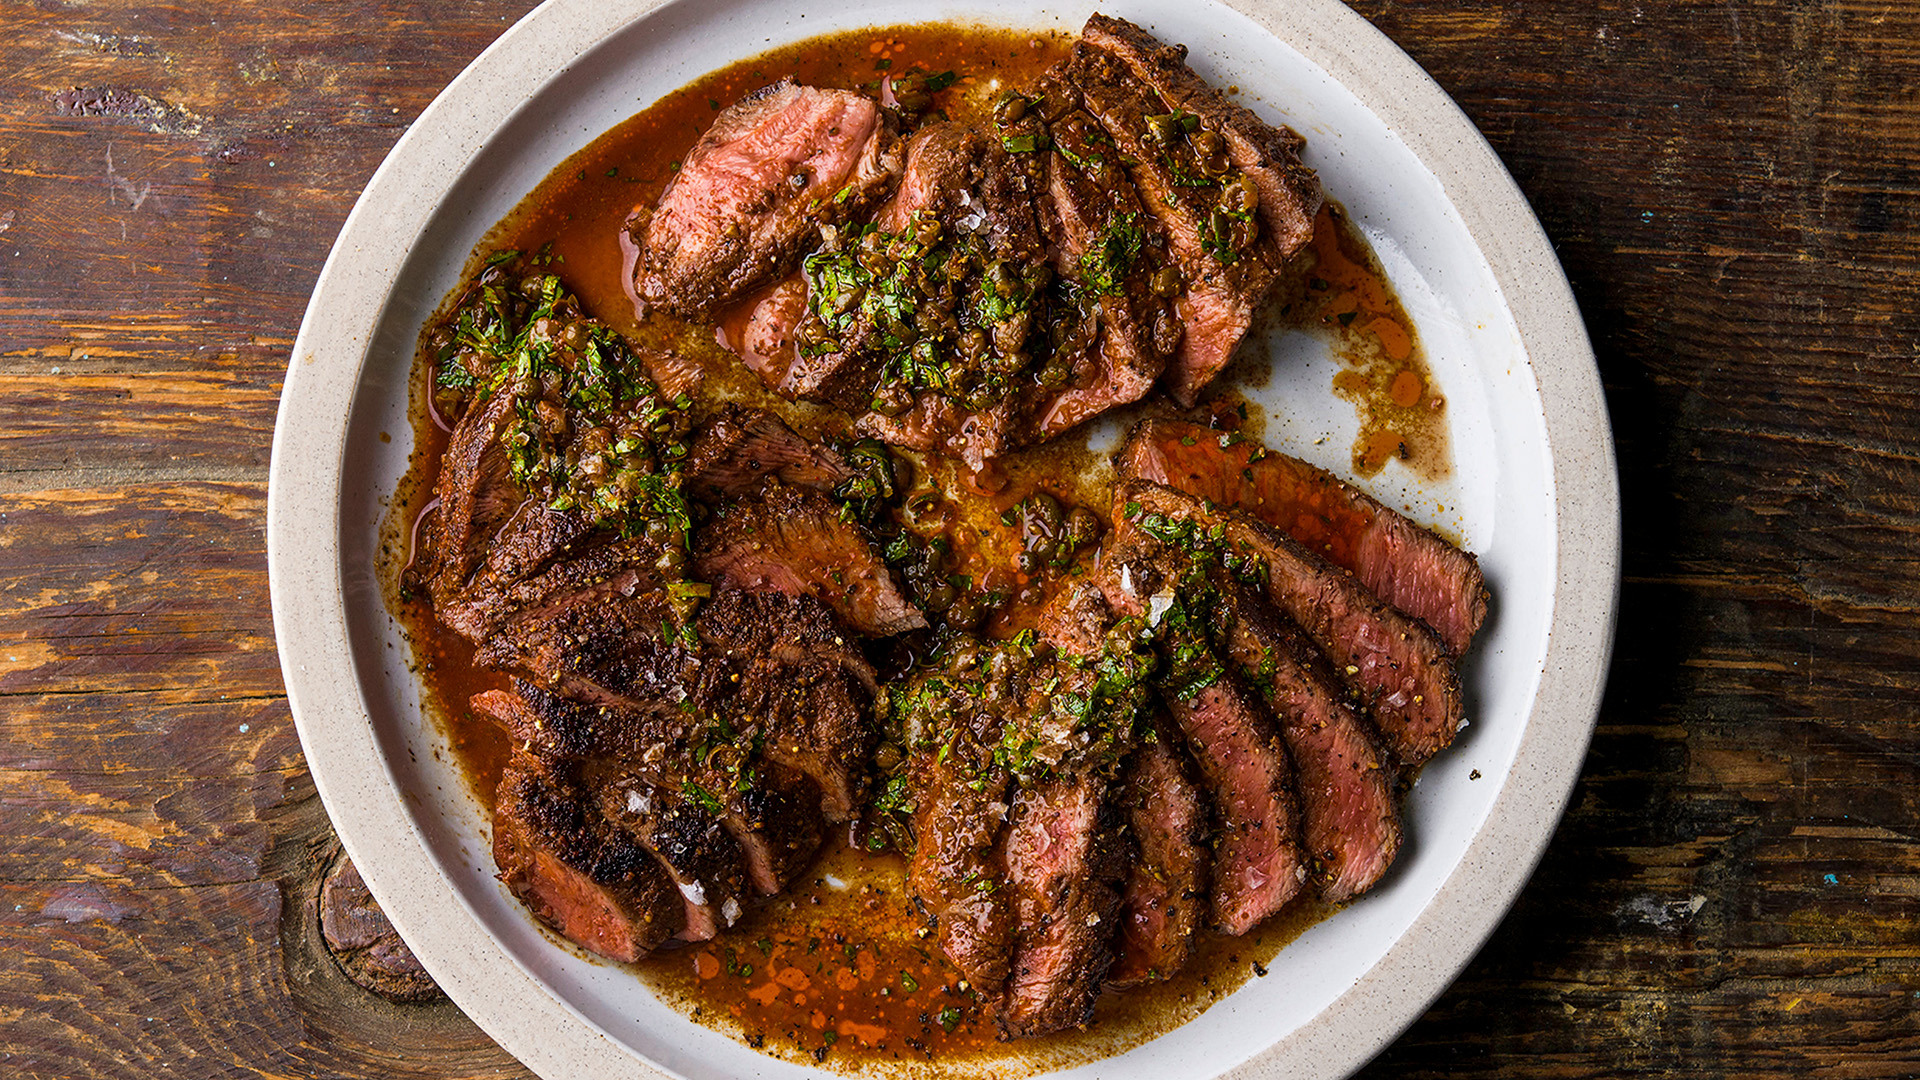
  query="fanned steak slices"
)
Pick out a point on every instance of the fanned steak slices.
point(588, 880)
point(1164, 901)
point(755, 189)
point(942, 167)
point(775, 818)
point(958, 863)
point(1098, 227)
point(1258, 864)
point(1290, 194)
point(737, 451)
point(698, 854)
point(768, 665)
point(1350, 818)
point(1398, 561)
point(1066, 855)
point(793, 540)
point(1398, 668)
point(1222, 293)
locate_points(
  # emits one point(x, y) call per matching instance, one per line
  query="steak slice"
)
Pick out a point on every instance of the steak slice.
point(475, 496)
point(1350, 819)
point(781, 665)
point(1394, 664)
point(1290, 193)
point(1105, 241)
point(737, 451)
point(1164, 902)
point(1257, 862)
point(772, 812)
point(697, 852)
point(958, 868)
point(1225, 284)
point(577, 873)
point(1398, 561)
point(1066, 854)
point(754, 191)
point(794, 541)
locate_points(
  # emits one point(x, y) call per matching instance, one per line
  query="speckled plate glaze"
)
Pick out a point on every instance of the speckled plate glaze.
point(1534, 494)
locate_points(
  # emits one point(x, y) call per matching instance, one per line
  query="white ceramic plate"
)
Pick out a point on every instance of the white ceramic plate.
point(1534, 496)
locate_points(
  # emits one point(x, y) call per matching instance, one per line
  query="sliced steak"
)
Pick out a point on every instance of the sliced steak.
point(1398, 668)
point(1066, 854)
point(1290, 193)
point(841, 363)
point(1111, 248)
point(737, 451)
point(756, 188)
point(1193, 195)
point(793, 540)
point(958, 870)
point(1258, 863)
point(475, 496)
point(1398, 561)
point(578, 874)
point(1164, 901)
point(1350, 818)
point(783, 666)
point(772, 812)
point(697, 852)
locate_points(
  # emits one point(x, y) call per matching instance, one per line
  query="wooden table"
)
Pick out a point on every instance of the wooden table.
point(1733, 191)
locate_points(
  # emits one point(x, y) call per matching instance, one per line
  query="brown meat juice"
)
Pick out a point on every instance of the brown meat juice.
point(837, 972)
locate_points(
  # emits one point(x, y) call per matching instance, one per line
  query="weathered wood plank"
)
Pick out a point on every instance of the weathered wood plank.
point(1731, 188)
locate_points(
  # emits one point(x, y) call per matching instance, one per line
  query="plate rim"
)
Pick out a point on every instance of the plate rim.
point(306, 575)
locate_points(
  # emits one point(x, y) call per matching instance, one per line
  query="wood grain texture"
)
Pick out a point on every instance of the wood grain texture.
point(1733, 189)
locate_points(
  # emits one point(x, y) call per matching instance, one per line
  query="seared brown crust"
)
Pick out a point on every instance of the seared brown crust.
point(578, 874)
point(793, 540)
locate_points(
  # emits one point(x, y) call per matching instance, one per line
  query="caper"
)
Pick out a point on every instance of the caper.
point(1043, 515)
point(928, 232)
point(1001, 280)
point(1163, 128)
point(1206, 144)
point(1215, 165)
point(887, 757)
point(1166, 282)
point(1241, 194)
point(972, 344)
point(892, 400)
point(1010, 109)
point(532, 286)
point(1082, 527)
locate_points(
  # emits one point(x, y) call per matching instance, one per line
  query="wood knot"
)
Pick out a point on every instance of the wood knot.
point(364, 943)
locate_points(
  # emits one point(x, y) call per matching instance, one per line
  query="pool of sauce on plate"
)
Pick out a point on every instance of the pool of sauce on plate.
point(834, 972)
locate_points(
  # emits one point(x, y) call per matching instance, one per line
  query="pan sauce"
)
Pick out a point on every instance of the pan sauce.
point(833, 972)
